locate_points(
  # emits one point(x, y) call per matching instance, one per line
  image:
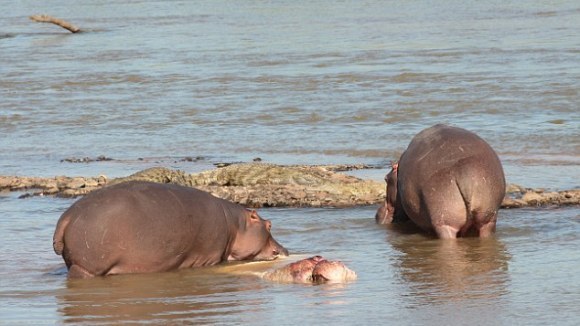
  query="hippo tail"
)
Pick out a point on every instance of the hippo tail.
point(467, 193)
point(58, 238)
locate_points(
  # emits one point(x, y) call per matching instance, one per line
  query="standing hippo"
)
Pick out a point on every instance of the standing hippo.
point(449, 181)
point(139, 227)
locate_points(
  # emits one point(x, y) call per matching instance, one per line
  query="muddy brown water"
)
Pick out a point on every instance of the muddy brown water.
point(527, 273)
point(306, 82)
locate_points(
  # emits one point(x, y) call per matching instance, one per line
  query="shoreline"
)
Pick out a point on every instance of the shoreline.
point(258, 185)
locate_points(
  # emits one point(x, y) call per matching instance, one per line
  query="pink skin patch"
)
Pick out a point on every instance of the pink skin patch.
point(315, 269)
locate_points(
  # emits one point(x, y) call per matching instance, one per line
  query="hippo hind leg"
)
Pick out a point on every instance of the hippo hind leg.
point(470, 229)
point(486, 226)
point(479, 224)
point(76, 271)
point(445, 212)
point(446, 232)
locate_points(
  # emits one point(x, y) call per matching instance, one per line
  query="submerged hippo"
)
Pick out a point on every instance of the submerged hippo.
point(448, 181)
point(137, 227)
point(312, 270)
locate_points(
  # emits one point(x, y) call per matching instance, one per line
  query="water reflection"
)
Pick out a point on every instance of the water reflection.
point(230, 293)
point(193, 294)
point(440, 271)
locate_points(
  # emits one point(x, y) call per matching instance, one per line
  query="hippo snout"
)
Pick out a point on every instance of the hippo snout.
point(280, 251)
point(383, 216)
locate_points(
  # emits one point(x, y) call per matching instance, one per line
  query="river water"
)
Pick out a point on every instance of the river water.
point(304, 82)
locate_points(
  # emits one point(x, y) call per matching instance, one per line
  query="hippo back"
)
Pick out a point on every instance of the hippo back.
point(146, 227)
point(448, 175)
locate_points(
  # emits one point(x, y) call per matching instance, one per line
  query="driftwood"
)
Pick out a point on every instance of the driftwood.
point(269, 185)
point(59, 22)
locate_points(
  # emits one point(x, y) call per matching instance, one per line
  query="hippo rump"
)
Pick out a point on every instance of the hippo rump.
point(315, 269)
point(139, 227)
point(448, 181)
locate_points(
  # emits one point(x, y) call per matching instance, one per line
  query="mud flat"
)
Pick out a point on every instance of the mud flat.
point(269, 185)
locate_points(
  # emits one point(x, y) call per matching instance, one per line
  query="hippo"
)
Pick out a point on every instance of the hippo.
point(140, 227)
point(315, 269)
point(448, 181)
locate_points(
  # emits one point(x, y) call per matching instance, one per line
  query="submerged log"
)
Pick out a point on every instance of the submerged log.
point(52, 20)
point(269, 185)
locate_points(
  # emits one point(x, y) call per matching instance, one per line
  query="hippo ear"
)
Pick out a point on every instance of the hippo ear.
point(395, 165)
point(254, 215)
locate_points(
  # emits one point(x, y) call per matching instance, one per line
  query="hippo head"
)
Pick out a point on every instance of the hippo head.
point(386, 211)
point(253, 240)
point(327, 271)
point(315, 270)
point(301, 271)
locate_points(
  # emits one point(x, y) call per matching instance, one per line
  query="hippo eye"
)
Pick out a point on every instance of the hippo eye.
point(319, 278)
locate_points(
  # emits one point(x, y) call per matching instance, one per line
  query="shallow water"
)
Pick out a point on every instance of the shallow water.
point(152, 82)
point(527, 273)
